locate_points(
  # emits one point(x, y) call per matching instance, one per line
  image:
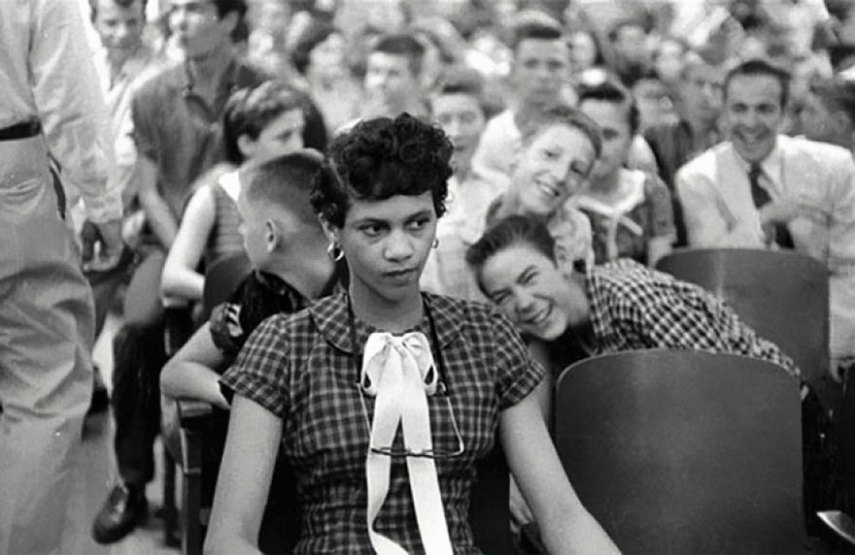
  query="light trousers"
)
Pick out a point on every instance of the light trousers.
point(46, 333)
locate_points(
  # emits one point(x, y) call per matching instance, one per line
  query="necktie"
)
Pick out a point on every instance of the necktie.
point(761, 198)
point(759, 194)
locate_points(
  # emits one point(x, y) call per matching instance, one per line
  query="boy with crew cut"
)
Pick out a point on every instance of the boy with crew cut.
point(290, 268)
point(287, 249)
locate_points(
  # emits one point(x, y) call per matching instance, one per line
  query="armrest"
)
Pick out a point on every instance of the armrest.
point(191, 412)
point(841, 523)
point(192, 415)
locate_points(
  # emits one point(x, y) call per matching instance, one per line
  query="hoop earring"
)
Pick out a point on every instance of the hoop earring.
point(435, 242)
point(334, 252)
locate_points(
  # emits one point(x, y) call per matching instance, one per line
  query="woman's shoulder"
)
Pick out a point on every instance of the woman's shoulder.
point(457, 308)
point(292, 331)
point(467, 317)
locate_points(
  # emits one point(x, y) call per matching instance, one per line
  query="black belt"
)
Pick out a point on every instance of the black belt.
point(19, 131)
point(27, 130)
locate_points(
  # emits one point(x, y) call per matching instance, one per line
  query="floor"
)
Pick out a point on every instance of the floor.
point(97, 474)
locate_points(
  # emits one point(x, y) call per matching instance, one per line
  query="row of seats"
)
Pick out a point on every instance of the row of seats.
point(666, 452)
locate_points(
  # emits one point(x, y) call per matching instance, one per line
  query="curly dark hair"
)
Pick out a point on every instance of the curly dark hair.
point(381, 158)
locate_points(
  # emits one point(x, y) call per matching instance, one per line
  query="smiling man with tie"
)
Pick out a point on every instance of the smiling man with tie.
point(762, 189)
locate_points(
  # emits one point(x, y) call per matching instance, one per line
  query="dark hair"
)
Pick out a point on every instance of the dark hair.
point(460, 79)
point(505, 233)
point(839, 9)
point(836, 94)
point(317, 32)
point(760, 68)
point(225, 7)
point(562, 114)
point(619, 25)
point(248, 111)
point(599, 59)
point(285, 183)
point(401, 44)
point(381, 158)
point(705, 56)
point(611, 91)
point(535, 30)
point(93, 6)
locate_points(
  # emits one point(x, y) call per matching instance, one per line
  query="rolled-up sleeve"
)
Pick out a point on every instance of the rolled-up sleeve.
point(260, 371)
point(518, 374)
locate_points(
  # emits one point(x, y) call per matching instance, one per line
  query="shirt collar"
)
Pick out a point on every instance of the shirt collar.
point(771, 165)
point(336, 284)
point(274, 283)
point(234, 79)
point(130, 68)
point(330, 316)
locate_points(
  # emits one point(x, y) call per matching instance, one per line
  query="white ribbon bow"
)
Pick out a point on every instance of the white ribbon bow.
point(399, 372)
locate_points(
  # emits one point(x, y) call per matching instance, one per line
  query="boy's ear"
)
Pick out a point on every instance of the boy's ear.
point(564, 262)
point(516, 157)
point(330, 230)
point(246, 145)
point(272, 235)
point(231, 20)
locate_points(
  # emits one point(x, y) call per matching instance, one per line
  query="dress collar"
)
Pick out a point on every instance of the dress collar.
point(330, 315)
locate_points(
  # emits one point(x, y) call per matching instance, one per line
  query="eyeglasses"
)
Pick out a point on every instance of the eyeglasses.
point(442, 391)
point(427, 453)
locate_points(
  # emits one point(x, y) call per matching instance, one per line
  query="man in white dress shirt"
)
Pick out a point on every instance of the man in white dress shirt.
point(52, 116)
point(763, 189)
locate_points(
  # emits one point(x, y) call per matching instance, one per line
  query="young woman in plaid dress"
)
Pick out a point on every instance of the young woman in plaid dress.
point(326, 384)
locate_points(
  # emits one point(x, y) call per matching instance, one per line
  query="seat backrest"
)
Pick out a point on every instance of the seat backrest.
point(783, 295)
point(222, 278)
point(847, 441)
point(489, 513)
point(684, 451)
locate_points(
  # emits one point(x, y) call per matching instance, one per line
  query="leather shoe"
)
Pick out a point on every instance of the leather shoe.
point(124, 509)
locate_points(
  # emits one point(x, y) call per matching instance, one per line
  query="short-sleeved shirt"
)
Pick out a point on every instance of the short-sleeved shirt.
point(633, 307)
point(180, 131)
point(623, 229)
point(304, 368)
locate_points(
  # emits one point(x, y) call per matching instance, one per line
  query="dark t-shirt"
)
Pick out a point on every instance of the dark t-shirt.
point(259, 296)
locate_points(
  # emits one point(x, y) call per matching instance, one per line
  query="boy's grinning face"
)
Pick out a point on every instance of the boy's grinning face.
point(551, 169)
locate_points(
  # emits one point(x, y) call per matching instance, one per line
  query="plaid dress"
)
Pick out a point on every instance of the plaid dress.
point(304, 369)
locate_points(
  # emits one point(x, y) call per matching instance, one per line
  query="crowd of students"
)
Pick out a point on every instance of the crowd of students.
point(445, 203)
